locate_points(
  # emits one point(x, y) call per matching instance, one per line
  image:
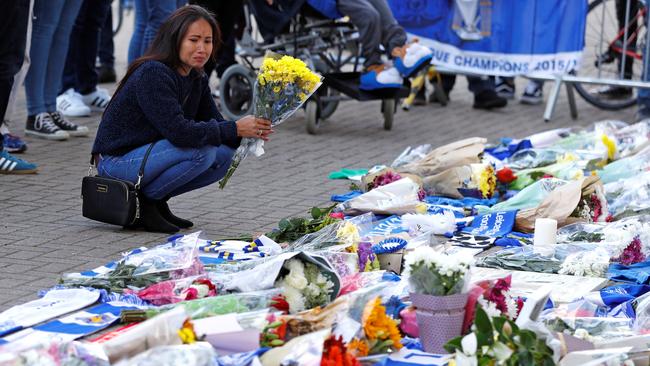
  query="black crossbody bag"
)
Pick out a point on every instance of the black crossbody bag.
point(110, 200)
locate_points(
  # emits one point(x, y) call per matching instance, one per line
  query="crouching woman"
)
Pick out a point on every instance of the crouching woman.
point(165, 99)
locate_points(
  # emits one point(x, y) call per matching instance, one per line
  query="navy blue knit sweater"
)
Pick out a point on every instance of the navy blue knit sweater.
point(158, 103)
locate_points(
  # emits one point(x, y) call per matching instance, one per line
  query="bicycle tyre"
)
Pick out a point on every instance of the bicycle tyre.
point(236, 89)
point(608, 105)
point(120, 18)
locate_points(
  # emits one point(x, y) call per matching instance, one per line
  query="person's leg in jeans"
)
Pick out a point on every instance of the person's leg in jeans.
point(12, 51)
point(158, 11)
point(58, 52)
point(46, 15)
point(106, 52)
point(169, 171)
point(140, 24)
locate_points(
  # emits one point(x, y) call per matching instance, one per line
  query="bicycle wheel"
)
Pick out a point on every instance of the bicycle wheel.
point(118, 15)
point(602, 56)
point(236, 91)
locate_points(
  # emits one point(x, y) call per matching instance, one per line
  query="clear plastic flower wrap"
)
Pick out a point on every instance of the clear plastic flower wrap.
point(565, 170)
point(521, 259)
point(173, 260)
point(411, 155)
point(283, 84)
point(324, 238)
point(196, 354)
point(173, 291)
point(629, 197)
point(210, 306)
point(626, 168)
point(537, 158)
point(581, 232)
point(400, 197)
point(592, 263)
point(642, 310)
point(53, 353)
point(175, 255)
point(344, 263)
point(592, 329)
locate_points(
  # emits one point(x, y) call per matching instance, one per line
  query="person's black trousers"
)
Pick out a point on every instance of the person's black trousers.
point(106, 46)
point(13, 34)
point(228, 14)
point(79, 72)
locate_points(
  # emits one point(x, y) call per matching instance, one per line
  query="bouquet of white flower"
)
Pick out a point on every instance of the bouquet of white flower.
point(305, 286)
point(433, 273)
point(437, 282)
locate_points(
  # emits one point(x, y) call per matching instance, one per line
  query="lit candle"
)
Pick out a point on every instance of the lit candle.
point(545, 232)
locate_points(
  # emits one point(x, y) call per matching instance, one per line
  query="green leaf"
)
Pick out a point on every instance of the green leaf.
point(453, 345)
point(284, 224)
point(527, 339)
point(316, 213)
point(482, 321)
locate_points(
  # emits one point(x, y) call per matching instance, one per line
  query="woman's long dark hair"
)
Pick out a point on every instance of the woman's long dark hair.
point(166, 46)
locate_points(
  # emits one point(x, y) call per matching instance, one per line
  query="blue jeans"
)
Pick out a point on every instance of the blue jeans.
point(53, 21)
point(170, 171)
point(149, 16)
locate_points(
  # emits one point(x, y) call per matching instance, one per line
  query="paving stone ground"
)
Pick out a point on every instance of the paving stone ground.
point(42, 232)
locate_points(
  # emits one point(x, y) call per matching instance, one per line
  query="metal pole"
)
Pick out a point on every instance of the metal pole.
point(552, 98)
point(627, 23)
point(646, 54)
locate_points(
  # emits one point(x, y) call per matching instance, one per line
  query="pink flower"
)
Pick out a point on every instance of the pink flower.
point(386, 178)
point(631, 254)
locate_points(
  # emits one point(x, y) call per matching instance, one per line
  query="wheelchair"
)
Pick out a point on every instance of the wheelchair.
point(330, 47)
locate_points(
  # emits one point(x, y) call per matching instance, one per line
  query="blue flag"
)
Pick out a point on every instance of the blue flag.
point(496, 224)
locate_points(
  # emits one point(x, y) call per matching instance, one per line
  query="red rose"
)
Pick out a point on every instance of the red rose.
point(506, 175)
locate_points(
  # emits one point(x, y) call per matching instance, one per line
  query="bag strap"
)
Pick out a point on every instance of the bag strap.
point(144, 162)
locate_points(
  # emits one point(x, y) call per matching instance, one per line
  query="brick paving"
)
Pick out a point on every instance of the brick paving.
point(42, 232)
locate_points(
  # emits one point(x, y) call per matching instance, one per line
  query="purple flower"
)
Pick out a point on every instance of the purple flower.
point(365, 255)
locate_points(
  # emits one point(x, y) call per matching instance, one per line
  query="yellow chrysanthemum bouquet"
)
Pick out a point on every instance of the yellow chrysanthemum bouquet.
point(283, 84)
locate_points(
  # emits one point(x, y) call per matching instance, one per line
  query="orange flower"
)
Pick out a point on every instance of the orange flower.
point(358, 347)
point(378, 325)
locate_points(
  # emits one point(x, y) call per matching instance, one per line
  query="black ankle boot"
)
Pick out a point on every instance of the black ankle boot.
point(165, 212)
point(152, 219)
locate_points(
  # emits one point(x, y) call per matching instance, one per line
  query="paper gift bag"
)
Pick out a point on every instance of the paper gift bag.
point(463, 152)
point(558, 205)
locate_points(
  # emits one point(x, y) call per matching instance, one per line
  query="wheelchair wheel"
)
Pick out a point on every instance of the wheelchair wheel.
point(236, 91)
point(328, 108)
point(388, 108)
point(312, 117)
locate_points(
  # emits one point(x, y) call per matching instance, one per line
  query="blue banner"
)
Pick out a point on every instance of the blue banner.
point(498, 37)
point(496, 224)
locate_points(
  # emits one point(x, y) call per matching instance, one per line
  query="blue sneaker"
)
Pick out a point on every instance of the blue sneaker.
point(380, 79)
point(10, 164)
point(14, 144)
point(414, 57)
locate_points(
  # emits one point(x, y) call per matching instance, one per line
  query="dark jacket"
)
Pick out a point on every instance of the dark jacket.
point(158, 103)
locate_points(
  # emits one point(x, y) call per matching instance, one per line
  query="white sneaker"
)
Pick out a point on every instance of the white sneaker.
point(71, 104)
point(390, 76)
point(97, 100)
point(416, 52)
